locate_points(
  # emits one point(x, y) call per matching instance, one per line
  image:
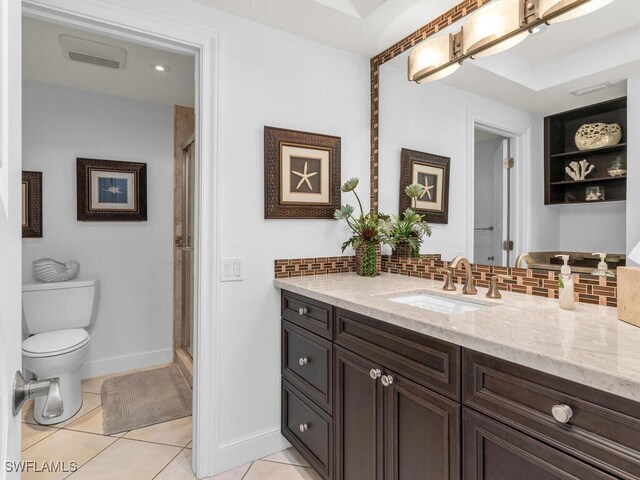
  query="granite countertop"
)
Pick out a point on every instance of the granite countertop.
point(589, 345)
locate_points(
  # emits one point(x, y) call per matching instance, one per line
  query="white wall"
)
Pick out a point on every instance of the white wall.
point(593, 228)
point(633, 167)
point(433, 118)
point(132, 259)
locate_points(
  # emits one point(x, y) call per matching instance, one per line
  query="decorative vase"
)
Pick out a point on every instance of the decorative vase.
point(598, 135)
point(48, 270)
point(368, 259)
point(403, 250)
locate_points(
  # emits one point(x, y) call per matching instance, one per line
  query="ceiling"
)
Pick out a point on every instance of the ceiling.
point(43, 61)
point(363, 27)
point(539, 74)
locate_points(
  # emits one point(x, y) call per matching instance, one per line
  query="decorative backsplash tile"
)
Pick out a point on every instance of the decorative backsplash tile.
point(598, 291)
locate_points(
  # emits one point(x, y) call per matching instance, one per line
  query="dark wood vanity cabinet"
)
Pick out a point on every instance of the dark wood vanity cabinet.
point(366, 400)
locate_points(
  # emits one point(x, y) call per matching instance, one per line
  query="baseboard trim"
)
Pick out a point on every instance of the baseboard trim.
point(247, 448)
point(124, 363)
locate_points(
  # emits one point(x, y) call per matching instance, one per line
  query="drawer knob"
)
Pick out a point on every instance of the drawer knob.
point(303, 361)
point(302, 310)
point(375, 373)
point(387, 380)
point(303, 427)
point(562, 413)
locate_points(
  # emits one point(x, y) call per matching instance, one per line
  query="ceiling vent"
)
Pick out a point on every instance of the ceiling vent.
point(94, 53)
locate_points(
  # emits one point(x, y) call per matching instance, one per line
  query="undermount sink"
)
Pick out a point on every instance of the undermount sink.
point(438, 303)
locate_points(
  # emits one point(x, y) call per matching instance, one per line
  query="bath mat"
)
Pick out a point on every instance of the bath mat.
point(144, 398)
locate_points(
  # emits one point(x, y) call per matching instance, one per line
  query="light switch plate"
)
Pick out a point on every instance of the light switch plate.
point(232, 269)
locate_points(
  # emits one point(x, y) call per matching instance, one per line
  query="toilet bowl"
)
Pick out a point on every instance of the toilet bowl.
point(57, 354)
point(57, 316)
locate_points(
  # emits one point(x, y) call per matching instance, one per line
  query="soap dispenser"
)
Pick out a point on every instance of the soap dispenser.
point(603, 268)
point(565, 284)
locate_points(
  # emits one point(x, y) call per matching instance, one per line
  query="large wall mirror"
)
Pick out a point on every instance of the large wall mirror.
point(526, 103)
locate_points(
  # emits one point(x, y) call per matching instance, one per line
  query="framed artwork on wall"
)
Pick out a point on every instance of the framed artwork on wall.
point(110, 191)
point(31, 204)
point(301, 174)
point(431, 171)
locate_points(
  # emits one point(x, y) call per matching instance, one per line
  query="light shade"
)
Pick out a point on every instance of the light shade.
point(635, 254)
point(429, 56)
point(494, 21)
point(548, 7)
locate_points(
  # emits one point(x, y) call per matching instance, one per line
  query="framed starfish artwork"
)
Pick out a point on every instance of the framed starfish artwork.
point(110, 191)
point(31, 204)
point(429, 170)
point(302, 174)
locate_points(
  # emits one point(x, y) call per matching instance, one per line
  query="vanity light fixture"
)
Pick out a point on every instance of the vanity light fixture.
point(500, 25)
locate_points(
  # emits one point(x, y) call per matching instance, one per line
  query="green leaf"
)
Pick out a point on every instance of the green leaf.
point(560, 283)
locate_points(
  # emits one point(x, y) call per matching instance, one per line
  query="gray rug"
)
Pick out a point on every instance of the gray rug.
point(145, 398)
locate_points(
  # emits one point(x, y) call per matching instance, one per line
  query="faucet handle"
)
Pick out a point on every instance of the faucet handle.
point(494, 292)
point(23, 390)
point(449, 286)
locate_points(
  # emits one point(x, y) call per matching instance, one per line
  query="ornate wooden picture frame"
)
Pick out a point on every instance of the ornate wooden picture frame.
point(31, 204)
point(431, 171)
point(110, 191)
point(301, 174)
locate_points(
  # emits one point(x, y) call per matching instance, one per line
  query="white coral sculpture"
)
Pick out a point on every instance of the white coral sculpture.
point(579, 171)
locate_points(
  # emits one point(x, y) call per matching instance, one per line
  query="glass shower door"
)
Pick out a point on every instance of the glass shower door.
point(187, 247)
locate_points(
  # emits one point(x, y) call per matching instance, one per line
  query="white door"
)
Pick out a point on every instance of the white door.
point(10, 230)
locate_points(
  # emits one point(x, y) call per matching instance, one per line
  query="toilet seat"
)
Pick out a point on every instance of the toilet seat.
point(57, 342)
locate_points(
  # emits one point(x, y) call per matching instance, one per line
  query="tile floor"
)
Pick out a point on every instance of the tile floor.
point(158, 452)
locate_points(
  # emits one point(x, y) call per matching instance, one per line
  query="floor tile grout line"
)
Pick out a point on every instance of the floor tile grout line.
point(154, 443)
point(44, 438)
point(89, 460)
point(247, 472)
point(285, 463)
point(169, 463)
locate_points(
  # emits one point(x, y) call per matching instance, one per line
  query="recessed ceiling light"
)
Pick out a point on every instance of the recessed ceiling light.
point(158, 67)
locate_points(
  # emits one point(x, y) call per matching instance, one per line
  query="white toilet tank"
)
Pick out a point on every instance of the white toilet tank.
point(59, 305)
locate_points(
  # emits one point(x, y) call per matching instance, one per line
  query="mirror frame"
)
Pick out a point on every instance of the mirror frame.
point(454, 14)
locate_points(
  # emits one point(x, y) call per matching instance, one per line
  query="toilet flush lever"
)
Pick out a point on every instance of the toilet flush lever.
point(23, 391)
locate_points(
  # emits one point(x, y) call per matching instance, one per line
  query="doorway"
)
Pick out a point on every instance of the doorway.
point(492, 225)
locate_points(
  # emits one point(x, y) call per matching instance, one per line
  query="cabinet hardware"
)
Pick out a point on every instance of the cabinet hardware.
point(562, 413)
point(303, 427)
point(375, 373)
point(302, 310)
point(387, 380)
point(303, 361)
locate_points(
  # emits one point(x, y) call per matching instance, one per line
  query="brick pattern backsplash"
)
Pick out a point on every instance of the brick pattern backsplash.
point(594, 290)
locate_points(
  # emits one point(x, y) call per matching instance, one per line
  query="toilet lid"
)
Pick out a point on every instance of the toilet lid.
point(55, 342)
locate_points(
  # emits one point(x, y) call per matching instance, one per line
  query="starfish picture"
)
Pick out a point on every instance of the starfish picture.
point(113, 189)
point(427, 188)
point(304, 177)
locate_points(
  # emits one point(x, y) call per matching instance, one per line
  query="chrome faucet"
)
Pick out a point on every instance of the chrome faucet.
point(469, 282)
point(523, 257)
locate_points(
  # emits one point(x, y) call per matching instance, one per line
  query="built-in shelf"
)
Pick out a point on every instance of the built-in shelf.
point(560, 151)
point(591, 180)
point(594, 151)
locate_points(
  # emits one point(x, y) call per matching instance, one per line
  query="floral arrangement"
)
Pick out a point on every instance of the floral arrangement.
point(368, 231)
point(406, 233)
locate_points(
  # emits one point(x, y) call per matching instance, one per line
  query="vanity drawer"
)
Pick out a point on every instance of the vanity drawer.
point(310, 314)
point(306, 363)
point(425, 360)
point(308, 428)
point(604, 429)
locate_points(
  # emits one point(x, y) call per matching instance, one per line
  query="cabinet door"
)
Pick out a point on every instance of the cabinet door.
point(493, 451)
point(422, 432)
point(358, 418)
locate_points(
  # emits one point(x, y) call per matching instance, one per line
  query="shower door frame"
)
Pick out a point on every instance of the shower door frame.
point(155, 30)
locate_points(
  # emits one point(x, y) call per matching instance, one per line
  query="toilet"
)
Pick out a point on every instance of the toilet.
point(56, 316)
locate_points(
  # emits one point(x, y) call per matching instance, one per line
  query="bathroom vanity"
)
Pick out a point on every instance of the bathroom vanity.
point(382, 380)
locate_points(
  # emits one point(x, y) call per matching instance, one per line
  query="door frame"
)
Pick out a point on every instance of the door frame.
point(519, 135)
point(167, 33)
